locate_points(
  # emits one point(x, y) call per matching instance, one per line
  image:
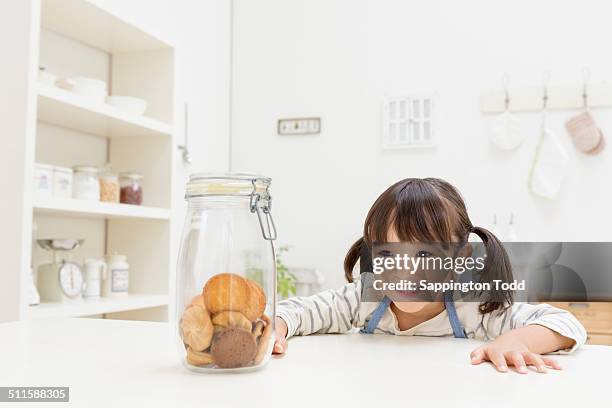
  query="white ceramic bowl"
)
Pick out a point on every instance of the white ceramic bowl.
point(128, 104)
point(46, 78)
point(86, 87)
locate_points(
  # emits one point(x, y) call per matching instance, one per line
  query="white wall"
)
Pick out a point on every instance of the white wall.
point(338, 59)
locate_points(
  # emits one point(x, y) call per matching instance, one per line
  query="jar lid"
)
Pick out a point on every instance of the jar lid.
point(131, 175)
point(85, 169)
point(227, 184)
point(62, 169)
point(115, 257)
point(44, 166)
point(108, 177)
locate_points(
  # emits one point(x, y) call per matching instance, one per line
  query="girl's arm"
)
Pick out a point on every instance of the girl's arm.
point(331, 311)
point(525, 331)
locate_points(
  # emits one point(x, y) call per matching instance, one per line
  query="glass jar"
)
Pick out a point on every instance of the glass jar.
point(130, 190)
point(85, 183)
point(226, 278)
point(109, 188)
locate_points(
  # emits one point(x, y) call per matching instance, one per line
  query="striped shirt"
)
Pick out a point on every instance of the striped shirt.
point(338, 311)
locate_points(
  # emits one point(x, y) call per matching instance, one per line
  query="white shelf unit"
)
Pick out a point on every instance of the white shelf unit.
point(79, 38)
point(65, 109)
point(97, 306)
point(96, 209)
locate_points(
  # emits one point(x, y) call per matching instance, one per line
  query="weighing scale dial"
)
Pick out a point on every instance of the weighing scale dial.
point(71, 279)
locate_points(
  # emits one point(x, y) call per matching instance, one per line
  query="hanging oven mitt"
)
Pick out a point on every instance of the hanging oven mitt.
point(587, 137)
point(505, 132)
point(550, 164)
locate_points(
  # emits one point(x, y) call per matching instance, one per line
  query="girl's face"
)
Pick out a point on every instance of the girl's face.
point(411, 306)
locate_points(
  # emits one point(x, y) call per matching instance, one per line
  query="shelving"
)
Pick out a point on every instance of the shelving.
point(92, 307)
point(85, 38)
point(96, 27)
point(62, 108)
point(96, 209)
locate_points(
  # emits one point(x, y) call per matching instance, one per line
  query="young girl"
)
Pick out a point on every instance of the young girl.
point(432, 210)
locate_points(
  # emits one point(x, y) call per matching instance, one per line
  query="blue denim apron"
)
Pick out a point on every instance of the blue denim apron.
point(449, 303)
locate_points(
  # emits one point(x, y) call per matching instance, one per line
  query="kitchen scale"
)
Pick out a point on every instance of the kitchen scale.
point(62, 280)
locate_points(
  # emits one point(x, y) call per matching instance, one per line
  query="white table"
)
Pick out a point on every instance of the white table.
point(110, 363)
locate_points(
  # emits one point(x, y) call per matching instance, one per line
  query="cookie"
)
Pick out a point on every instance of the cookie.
point(233, 347)
point(226, 291)
point(196, 328)
point(264, 341)
point(198, 358)
point(258, 328)
point(198, 300)
point(230, 318)
point(256, 301)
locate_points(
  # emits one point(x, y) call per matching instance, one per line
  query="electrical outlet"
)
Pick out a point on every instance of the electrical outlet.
point(299, 126)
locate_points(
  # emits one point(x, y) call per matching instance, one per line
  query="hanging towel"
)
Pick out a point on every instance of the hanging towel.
point(505, 133)
point(550, 164)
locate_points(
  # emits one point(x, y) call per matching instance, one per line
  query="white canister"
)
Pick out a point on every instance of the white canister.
point(116, 280)
point(43, 181)
point(62, 182)
point(85, 184)
point(95, 271)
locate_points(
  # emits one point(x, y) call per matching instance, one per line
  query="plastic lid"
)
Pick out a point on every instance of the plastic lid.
point(131, 175)
point(227, 184)
point(86, 169)
point(62, 169)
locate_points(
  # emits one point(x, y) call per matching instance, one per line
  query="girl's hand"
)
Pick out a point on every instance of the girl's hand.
point(280, 342)
point(509, 349)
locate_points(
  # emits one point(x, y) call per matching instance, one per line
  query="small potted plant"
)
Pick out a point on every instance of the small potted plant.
point(285, 280)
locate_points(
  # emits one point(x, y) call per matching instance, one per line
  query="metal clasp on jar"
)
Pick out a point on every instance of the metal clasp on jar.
point(261, 205)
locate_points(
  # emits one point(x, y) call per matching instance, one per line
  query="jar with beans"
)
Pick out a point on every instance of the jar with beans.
point(130, 188)
point(109, 188)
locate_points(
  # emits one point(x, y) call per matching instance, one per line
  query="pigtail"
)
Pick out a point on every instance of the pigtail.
point(496, 266)
point(351, 258)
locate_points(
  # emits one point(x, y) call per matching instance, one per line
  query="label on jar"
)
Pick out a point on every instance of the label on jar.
point(119, 280)
point(44, 182)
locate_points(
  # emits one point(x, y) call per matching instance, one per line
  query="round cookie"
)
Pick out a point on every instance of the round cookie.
point(226, 291)
point(230, 318)
point(234, 347)
point(196, 328)
point(256, 301)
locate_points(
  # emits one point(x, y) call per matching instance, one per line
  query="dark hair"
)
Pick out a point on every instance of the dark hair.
point(431, 210)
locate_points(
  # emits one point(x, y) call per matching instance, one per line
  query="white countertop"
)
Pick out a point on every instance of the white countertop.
point(111, 363)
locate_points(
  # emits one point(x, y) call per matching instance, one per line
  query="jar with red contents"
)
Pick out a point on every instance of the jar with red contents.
point(130, 188)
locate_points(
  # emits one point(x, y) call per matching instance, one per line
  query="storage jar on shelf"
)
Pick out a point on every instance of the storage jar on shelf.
point(43, 181)
point(85, 183)
point(130, 184)
point(109, 188)
point(116, 276)
point(226, 278)
point(62, 182)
